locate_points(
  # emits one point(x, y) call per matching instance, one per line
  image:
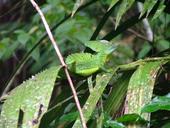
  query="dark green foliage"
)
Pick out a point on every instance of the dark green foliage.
point(114, 77)
point(157, 103)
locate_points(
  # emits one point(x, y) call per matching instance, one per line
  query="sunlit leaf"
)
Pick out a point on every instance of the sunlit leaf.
point(160, 10)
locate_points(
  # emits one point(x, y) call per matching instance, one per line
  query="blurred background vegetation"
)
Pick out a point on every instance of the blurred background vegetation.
point(21, 29)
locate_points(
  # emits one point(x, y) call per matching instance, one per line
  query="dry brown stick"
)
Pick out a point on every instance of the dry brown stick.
point(83, 122)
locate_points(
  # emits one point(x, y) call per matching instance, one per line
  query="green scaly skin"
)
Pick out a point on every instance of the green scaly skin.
point(85, 64)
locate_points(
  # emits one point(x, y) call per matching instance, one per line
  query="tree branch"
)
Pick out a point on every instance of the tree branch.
point(26, 57)
point(61, 61)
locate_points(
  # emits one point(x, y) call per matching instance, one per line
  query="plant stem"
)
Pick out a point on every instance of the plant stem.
point(62, 62)
point(26, 57)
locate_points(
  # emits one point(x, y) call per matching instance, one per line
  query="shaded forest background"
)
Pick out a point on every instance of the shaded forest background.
point(21, 29)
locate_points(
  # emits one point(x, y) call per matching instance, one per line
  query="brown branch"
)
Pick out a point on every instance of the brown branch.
point(83, 122)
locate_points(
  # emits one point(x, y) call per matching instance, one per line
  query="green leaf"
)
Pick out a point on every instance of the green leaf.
point(131, 118)
point(109, 123)
point(117, 94)
point(100, 46)
point(36, 54)
point(144, 50)
point(66, 27)
point(10, 50)
point(162, 45)
point(125, 5)
point(113, 124)
point(32, 97)
point(7, 48)
point(76, 6)
point(147, 7)
point(23, 37)
point(69, 117)
point(113, 2)
point(166, 125)
point(141, 87)
point(160, 10)
point(158, 103)
point(89, 107)
point(58, 108)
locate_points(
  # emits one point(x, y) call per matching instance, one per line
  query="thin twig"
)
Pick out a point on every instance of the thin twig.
point(62, 62)
point(27, 55)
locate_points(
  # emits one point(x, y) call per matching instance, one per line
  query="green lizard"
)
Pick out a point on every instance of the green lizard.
point(86, 64)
